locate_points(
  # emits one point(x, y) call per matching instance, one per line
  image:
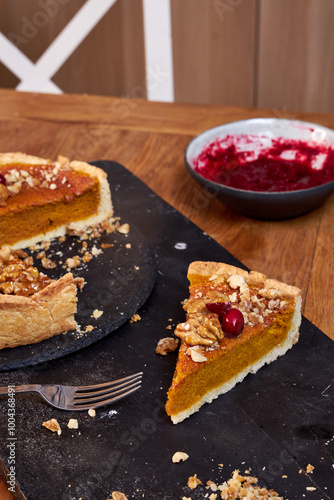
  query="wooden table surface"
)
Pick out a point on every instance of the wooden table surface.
point(149, 139)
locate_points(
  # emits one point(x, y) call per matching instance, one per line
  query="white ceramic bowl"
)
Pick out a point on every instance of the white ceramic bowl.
point(272, 205)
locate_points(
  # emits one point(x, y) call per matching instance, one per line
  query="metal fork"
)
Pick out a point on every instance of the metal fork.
point(84, 397)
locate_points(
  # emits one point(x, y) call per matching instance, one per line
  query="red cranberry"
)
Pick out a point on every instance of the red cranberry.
point(219, 308)
point(233, 322)
point(3, 180)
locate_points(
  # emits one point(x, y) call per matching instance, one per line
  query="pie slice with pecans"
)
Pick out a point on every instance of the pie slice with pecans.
point(39, 198)
point(236, 323)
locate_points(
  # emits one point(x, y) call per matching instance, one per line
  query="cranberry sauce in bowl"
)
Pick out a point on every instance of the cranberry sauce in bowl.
point(286, 165)
point(265, 168)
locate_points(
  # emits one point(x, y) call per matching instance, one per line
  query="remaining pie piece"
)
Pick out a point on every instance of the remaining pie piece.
point(211, 361)
point(32, 306)
point(39, 198)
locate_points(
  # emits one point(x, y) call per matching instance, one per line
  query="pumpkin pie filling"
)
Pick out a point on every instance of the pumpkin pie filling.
point(31, 211)
point(223, 363)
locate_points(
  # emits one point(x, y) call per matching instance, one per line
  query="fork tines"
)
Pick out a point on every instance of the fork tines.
point(108, 392)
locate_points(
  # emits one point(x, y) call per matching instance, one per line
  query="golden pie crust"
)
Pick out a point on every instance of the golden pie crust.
point(42, 198)
point(209, 362)
point(27, 320)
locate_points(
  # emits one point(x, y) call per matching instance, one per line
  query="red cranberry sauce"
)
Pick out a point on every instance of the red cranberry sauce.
point(297, 168)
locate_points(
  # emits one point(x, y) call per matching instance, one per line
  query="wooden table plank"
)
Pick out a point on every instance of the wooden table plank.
point(5, 494)
point(320, 283)
point(132, 114)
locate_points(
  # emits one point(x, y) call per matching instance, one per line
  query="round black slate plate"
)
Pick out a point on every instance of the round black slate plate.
point(118, 282)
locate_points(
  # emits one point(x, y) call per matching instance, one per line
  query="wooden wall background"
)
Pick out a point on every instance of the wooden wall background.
point(277, 54)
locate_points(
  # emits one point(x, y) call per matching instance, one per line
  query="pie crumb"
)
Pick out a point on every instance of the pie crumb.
point(309, 468)
point(87, 257)
point(88, 328)
point(193, 482)
point(245, 487)
point(72, 423)
point(48, 263)
point(96, 251)
point(96, 314)
point(91, 412)
point(117, 495)
point(211, 485)
point(73, 262)
point(53, 426)
point(123, 229)
point(79, 283)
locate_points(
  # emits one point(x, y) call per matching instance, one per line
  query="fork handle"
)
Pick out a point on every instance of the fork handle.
point(20, 388)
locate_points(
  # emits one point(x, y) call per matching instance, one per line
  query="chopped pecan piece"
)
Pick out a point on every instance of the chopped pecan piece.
point(195, 355)
point(18, 276)
point(53, 426)
point(166, 345)
point(193, 482)
point(179, 456)
point(204, 330)
point(48, 263)
point(135, 317)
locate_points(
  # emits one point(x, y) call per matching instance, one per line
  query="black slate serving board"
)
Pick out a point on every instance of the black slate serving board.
point(117, 283)
point(274, 423)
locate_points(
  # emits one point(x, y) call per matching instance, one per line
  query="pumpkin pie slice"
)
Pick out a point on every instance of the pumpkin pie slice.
point(236, 322)
point(39, 198)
